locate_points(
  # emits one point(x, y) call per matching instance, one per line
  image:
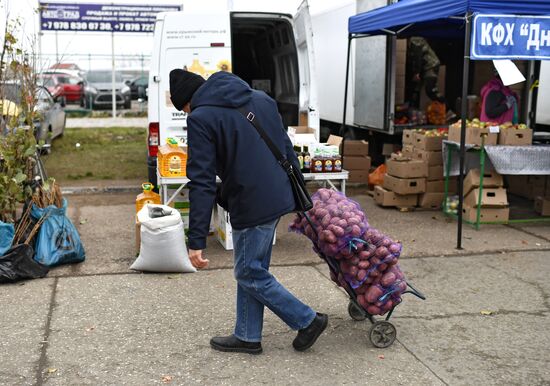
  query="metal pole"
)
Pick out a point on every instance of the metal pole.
point(56, 49)
point(343, 127)
point(39, 61)
point(463, 117)
point(113, 92)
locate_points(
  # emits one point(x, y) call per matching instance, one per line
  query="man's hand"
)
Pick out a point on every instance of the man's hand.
point(196, 259)
point(416, 78)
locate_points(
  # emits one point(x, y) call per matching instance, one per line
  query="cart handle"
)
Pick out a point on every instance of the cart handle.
point(415, 292)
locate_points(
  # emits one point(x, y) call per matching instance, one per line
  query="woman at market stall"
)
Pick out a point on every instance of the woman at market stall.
point(499, 104)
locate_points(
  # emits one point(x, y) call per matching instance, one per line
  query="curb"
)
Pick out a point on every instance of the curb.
point(97, 190)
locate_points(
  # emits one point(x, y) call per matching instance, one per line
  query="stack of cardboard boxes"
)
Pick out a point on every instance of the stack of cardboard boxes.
point(493, 201)
point(404, 180)
point(421, 158)
point(427, 146)
point(356, 161)
point(535, 188)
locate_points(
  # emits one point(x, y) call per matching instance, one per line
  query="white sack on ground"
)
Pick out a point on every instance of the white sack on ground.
point(162, 247)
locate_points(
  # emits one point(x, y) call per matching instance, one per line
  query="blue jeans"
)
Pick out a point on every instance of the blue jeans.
point(257, 287)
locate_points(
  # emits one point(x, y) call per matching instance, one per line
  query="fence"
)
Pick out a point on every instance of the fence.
point(95, 70)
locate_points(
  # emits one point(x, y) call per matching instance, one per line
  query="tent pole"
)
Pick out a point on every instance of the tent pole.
point(343, 127)
point(463, 117)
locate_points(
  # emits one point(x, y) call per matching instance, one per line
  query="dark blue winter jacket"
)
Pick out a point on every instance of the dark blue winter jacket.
point(255, 189)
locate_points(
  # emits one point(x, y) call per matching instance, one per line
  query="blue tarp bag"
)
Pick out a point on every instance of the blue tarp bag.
point(58, 241)
point(7, 232)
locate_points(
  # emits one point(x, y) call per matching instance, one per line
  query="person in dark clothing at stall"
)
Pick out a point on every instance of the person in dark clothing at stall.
point(423, 69)
point(499, 104)
point(255, 190)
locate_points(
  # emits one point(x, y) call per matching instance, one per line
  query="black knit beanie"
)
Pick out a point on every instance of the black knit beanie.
point(183, 85)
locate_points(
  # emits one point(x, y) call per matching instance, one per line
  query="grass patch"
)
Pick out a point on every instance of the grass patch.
point(111, 153)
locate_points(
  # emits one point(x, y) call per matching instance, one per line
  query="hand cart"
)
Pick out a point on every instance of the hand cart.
point(382, 333)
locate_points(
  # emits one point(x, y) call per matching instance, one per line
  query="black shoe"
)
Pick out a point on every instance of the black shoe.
point(307, 336)
point(233, 344)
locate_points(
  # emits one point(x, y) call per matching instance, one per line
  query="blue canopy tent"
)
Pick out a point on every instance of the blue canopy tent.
point(442, 19)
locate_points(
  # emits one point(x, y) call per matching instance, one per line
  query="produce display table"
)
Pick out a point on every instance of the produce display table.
point(505, 160)
point(328, 178)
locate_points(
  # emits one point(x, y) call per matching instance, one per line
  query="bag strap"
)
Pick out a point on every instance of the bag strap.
point(251, 117)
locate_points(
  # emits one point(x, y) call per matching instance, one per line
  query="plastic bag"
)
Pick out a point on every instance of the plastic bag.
point(18, 264)
point(162, 247)
point(377, 176)
point(7, 232)
point(58, 241)
point(437, 114)
point(366, 257)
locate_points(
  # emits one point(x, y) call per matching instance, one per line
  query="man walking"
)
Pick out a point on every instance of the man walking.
point(255, 190)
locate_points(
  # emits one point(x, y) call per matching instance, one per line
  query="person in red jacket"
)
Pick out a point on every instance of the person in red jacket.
point(499, 103)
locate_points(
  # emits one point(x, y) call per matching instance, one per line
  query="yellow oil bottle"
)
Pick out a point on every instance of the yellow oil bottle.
point(147, 197)
point(171, 159)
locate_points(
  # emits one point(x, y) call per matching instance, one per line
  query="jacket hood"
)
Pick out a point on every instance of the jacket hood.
point(493, 84)
point(222, 89)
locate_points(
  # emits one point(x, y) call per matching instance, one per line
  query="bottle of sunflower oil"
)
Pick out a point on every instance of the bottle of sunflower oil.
point(172, 159)
point(147, 197)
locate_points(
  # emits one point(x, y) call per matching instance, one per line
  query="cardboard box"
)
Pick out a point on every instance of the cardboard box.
point(519, 186)
point(431, 200)
point(352, 147)
point(432, 158)
point(404, 186)
point(385, 197)
point(421, 141)
point(408, 151)
point(435, 173)
point(389, 148)
point(358, 176)
point(406, 168)
point(224, 231)
point(437, 186)
point(491, 179)
point(490, 198)
point(473, 135)
point(487, 214)
point(515, 137)
point(357, 163)
point(335, 140)
point(302, 135)
point(542, 205)
point(408, 137)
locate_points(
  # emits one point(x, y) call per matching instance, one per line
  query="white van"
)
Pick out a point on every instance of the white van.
point(270, 51)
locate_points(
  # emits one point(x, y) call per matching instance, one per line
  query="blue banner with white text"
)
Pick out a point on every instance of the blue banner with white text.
point(100, 17)
point(510, 37)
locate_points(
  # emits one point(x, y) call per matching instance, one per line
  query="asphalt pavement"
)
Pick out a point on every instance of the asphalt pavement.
point(486, 319)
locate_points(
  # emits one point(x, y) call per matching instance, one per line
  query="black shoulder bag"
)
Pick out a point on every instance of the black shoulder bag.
point(301, 195)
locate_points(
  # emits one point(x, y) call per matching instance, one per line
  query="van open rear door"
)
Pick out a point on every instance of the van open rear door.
point(200, 43)
point(308, 104)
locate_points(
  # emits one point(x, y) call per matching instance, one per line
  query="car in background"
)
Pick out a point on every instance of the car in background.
point(138, 87)
point(68, 87)
point(50, 118)
point(67, 68)
point(52, 121)
point(98, 90)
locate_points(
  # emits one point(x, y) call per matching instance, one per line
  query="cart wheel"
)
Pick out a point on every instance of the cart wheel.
point(355, 312)
point(382, 334)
